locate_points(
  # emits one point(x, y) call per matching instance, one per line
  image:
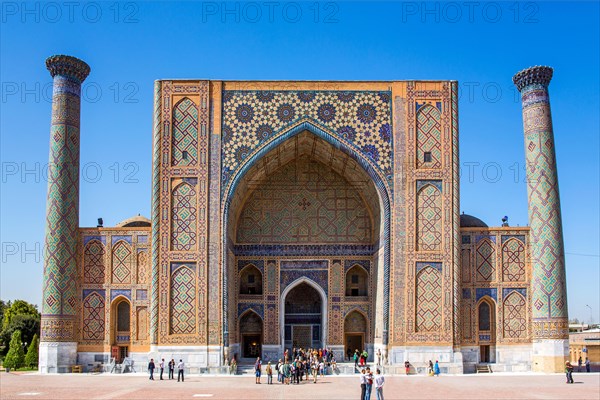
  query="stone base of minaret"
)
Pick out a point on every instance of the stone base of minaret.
point(57, 357)
point(549, 355)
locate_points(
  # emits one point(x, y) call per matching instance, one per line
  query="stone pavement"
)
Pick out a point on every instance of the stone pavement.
point(137, 386)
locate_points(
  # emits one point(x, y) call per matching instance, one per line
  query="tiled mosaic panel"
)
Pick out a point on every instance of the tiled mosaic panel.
point(513, 261)
point(142, 323)
point(465, 262)
point(183, 218)
point(121, 263)
point(547, 250)
point(93, 317)
point(143, 268)
point(185, 133)
point(93, 267)
point(355, 322)
point(304, 202)
point(485, 260)
point(360, 119)
point(429, 137)
point(466, 322)
point(515, 320)
point(429, 219)
point(183, 301)
point(62, 215)
point(429, 300)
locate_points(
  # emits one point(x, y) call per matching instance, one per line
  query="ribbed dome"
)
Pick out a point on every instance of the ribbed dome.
point(469, 221)
point(134, 222)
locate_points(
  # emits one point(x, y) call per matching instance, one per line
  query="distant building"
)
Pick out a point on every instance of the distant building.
point(585, 344)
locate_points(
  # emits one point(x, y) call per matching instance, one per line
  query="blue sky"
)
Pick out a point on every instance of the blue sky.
point(129, 45)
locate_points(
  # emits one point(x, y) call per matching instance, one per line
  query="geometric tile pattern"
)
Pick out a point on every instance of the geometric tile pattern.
point(428, 298)
point(121, 263)
point(59, 303)
point(183, 301)
point(93, 316)
point(486, 261)
point(304, 202)
point(429, 218)
point(93, 267)
point(549, 293)
point(143, 269)
point(513, 261)
point(360, 119)
point(515, 316)
point(429, 137)
point(185, 133)
point(183, 219)
point(142, 323)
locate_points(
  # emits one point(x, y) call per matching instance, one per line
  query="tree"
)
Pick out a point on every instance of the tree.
point(18, 307)
point(28, 325)
point(31, 359)
point(16, 356)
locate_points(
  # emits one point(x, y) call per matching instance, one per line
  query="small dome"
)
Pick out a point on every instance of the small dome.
point(469, 221)
point(134, 222)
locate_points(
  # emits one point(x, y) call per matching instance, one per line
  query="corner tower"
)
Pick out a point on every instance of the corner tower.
point(549, 293)
point(58, 347)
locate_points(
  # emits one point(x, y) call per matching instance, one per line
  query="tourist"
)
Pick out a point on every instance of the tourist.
point(162, 368)
point(269, 371)
point(369, 383)
point(171, 368)
point(365, 355)
point(407, 367)
point(579, 364)
point(436, 368)
point(233, 366)
point(315, 370)
point(430, 368)
point(321, 368)
point(286, 372)
point(257, 370)
point(279, 371)
point(363, 382)
point(356, 357)
point(378, 357)
point(151, 367)
point(588, 366)
point(569, 372)
point(285, 355)
point(180, 368)
point(379, 382)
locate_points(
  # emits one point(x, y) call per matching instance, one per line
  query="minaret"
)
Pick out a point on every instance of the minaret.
point(58, 348)
point(550, 326)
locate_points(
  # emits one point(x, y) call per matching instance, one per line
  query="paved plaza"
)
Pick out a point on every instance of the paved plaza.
point(137, 386)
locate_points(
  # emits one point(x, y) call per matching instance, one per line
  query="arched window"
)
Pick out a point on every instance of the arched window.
point(357, 281)
point(123, 317)
point(251, 281)
point(485, 322)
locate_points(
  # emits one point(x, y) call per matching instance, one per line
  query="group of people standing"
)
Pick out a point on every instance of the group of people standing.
point(303, 365)
point(170, 365)
point(368, 380)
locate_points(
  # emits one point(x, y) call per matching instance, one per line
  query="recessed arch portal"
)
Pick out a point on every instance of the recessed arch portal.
point(307, 139)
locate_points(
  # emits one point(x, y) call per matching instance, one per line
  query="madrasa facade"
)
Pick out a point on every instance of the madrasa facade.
point(304, 214)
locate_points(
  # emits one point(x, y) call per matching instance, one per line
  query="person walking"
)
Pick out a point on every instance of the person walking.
point(378, 357)
point(286, 372)
point(588, 366)
point(363, 384)
point(279, 371)
point(162, 368)
point(356, 356)
point(379, 382)
point(579, 364)
point(180, 368)
point(407, 367)
point(171, 368)
point(257, 370)
point(315, 370)
point(151, 367)
point(369, 383)
point(269, 371)
point(436, 368)
point(569, 372)
point(430, 368)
